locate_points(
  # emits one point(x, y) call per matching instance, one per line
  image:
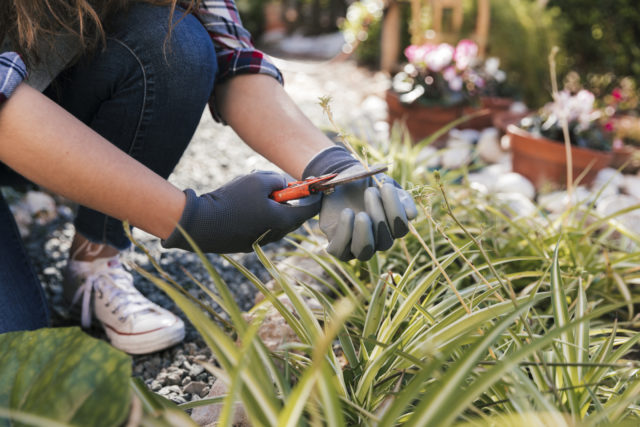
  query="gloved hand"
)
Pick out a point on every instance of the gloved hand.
point(231, 218)
point(358, 218)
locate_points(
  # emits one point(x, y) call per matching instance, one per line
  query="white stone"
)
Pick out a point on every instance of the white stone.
point(489, 146)
point(631, 185)
point(429, 156)
point(558, 201)
point(612, 204)
point(482, 182)
point(505, 142)
point(518, 108)
point(513, 182)
point(40, 204)
point(457, 154)
point(497, 169)
point(374, 107)
point(516, 205)
point(470, 136)
point(607, 182)
point(609, 175)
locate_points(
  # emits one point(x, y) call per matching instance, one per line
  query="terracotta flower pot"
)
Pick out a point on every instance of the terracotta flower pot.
point(421, 121)
point(543, 160)
point(490, 106)
point(626, 158)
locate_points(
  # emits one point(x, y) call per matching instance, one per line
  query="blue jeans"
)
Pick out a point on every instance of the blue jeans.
point(143, 92)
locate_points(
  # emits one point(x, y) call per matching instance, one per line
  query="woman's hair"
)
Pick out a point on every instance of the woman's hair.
point(32, 25)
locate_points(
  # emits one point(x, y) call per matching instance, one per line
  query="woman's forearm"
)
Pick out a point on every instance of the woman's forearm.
point(47, 145)
point(264, 116)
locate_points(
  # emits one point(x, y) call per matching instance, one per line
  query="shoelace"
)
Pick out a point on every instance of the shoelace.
point(114, 284)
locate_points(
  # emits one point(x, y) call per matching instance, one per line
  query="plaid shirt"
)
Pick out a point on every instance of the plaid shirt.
point(12, 72)
point(233, 44)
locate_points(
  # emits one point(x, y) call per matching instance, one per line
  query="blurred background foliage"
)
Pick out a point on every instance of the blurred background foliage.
point(600, 37)
point(598, 40)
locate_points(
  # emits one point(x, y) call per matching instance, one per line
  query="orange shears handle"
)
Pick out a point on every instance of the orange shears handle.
point(299, 189)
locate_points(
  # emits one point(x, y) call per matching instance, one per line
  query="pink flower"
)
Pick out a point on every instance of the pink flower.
point(449, 73)
point(439, 58)
point(416, 54)
point(410, 52)
point(617, 94)
point(466, 52)
point(608, 126)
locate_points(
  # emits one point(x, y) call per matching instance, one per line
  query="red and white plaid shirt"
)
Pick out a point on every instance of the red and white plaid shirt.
point(233, 44)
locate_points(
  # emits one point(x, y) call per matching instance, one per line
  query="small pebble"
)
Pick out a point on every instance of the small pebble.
point(196, 370)
point(174, 378)
point(194, 387)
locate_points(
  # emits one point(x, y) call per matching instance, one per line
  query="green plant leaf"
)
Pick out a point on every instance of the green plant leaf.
point(561, 314)
point(257, 393)
point(64, 375)
point(435, 408)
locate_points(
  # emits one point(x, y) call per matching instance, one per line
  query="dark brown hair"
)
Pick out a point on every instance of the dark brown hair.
point(32, 25)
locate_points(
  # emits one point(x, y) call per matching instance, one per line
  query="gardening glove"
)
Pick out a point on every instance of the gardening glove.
point(231, 218)
point(359, 218)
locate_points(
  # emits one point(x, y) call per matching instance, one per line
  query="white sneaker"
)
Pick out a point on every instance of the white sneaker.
point(132, 322)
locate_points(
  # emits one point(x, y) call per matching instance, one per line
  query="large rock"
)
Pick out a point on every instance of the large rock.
point(429, 156)
point(631, 185)
point(457, 154)
point(208, 415)
point(558, 201)
point(616, 203)
point(469, 136)
point(513, 182)
point(607, 182)
point(274, 330)
point(489, 146)
point(515, 205)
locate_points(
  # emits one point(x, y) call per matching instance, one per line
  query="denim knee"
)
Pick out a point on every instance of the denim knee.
point(180, 55)
point(154, 89)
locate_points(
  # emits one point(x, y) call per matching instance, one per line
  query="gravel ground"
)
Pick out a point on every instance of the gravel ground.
point(215, 156)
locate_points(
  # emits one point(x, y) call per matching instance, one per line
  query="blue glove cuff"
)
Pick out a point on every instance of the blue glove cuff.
point(332, 160)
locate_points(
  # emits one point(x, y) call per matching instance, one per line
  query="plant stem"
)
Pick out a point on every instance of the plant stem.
point(564, 123)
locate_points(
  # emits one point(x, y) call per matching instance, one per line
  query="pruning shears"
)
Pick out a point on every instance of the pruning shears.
point(325, 183)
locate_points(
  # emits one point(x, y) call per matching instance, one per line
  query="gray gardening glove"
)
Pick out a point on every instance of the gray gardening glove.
point(358, 218)
point(231, 218)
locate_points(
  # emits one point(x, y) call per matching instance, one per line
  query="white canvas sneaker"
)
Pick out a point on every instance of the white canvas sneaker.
point(132, 322)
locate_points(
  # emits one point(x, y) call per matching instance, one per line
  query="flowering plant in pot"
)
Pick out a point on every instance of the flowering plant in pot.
point(441, 83)
point(537, 142)
point(622, 106)
point(439, 75)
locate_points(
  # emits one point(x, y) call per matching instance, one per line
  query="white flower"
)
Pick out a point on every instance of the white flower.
point(440, 57)
point(492, 65)
point(455, 84)
point(578, 107)
point(449, 73)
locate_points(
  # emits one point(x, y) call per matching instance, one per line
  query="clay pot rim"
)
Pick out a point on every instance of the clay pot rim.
point(518, 131)
point(390, 93)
